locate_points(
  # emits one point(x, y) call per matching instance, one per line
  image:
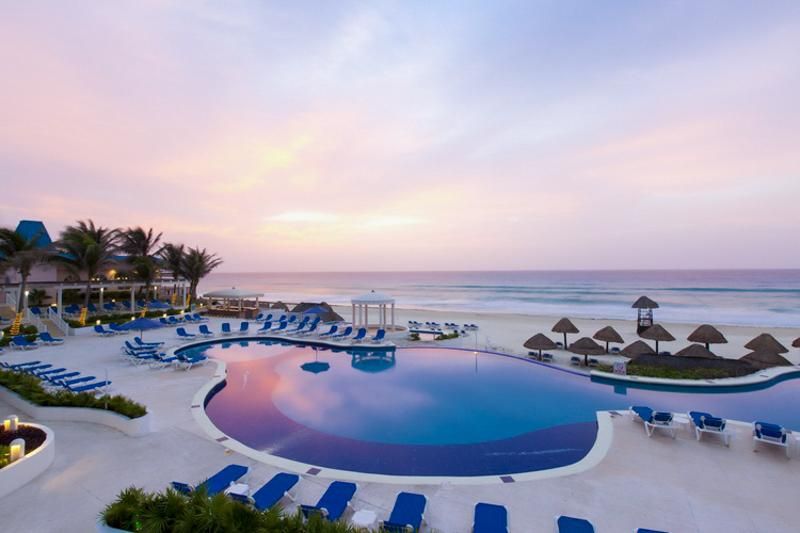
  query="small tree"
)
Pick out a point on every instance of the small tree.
point(21, 255)
point(140, 245)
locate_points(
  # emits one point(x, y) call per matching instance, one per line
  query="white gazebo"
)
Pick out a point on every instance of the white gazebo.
point(381, 302)
point(234, 294)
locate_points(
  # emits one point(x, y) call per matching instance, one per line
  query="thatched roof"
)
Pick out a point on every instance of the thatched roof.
point(565, 326)
point(765, 359)
point(331, 316)
point(608, 334)
point(707, 334)
point(796, 343)
point(280, 305)
point(644, 303)
point(766, 343)
point(696, 350)
point(656, 332)
point(637, 348)
point(586, 346)
point(540, 342)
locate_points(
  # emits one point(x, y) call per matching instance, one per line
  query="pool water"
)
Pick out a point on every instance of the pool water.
point(438, 412)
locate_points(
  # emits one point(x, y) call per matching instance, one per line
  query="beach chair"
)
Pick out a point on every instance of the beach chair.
point(151, 344)
point(265, 327)
point(593, 362)
point(53, 378)
point(643, 530)
point(769, 433)
point(204, 331)
point(547, 357)
point(260, 317)
point(117, 329)
point(407, 513)
point(183, 335)
point(162, 360)
point(490, 518)
point(110, 307)
point(91, 387)
point(343, 335)
point(330, 333)
point(36, 368)
point(18, 366)
point(575, 360)
point(216, 483)
point(379, 336)
point(360, 336)
point(19, 342)
point(706, 423)
point(569, 524)
point(190, 361)
point(334, 502)
point(164, 322)
point(311, 329)
point(654, 420)
point(271, 493)
point(281, 327)
point(173, 321)
point(226, 329)
point(244, 327)
point(49, 371)
point(199, 318)
point(189, 319)
point(100, 331)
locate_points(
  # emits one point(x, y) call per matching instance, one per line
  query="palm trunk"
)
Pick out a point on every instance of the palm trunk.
point(21, 297)
point(88, 292)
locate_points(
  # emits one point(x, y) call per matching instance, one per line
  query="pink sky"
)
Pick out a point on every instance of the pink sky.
point(391, 136)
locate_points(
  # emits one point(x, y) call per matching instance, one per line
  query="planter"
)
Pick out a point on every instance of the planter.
point(133, 427)
point(20, 472)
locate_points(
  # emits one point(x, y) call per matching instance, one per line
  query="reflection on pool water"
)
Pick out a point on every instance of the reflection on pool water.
point(431, 411)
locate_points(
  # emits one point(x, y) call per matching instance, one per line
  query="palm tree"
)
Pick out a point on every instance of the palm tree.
point(140, 245)
point(20, 254)
point(171, 256)
point(87, 249)
point(197, 264)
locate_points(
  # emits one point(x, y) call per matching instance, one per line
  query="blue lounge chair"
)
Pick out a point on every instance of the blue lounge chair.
point(154, 344)
point(19, 342)
point(92, 308)
point(379, 336)
point(35, 368)
point(110, 307)
point(360, 336)
point(654, 420)
point(164, 322)
point(334, 502)
point(52, 371)
point(769, 433)
point(54, 378)
point(49, 339)
point(272, 492)
point(490, 518)
point(706, 423)
point(216, 483)
point(260, 317)
point(575, 360)
point(407, 514)
point(199, 318)
point(643, 530)
point(244, 327)
point(173, 321)
point(311, 329)
point(188, 319)
point(343, 335)
point(569, 524)
point(182, 334)
point(91, 387)
point(18, 366)
point(73, 381)
point(190, 361)
point(281, 328)
point(117, 329)
point(226, 328)
point(265, 327)
point(102, 332)
point(204, 331)
point(330, 333)
point(547, 357)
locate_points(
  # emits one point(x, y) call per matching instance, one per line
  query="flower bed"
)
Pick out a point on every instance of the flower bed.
point(33, 437)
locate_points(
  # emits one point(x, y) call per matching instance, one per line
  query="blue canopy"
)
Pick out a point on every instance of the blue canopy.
point(316, 310)
point(141, 324)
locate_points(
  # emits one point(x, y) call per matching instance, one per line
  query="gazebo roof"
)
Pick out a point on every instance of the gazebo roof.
point(233, 292)
point(373, 298)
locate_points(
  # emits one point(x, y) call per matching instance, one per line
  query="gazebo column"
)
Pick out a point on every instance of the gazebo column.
point(392, 316)
point(366, 316)
point(354, 314)
point(133, 298)
point(102, 290)
point(60, 301)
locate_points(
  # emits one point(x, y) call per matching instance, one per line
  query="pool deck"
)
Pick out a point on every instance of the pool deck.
point(676, 485)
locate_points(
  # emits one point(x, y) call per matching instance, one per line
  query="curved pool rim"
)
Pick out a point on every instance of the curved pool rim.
point(596, 454)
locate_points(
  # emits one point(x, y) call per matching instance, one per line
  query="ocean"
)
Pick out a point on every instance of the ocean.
point(726, 297)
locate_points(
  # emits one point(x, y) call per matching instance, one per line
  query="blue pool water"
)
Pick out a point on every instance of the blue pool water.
point(431, 411)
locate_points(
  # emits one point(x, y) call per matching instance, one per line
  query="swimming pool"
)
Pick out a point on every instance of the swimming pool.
point(436, 411)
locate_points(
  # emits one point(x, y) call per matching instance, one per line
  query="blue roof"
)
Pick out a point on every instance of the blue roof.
point(31, 228)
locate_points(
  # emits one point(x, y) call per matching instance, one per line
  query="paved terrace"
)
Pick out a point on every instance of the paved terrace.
point(676, 485)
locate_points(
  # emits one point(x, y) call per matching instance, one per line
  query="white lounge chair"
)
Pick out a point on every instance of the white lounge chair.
point(706, 423)
point(654, 420)
point(770, 434)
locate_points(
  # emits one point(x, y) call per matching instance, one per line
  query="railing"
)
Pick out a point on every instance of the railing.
point(55, 317)
point(11, 300)
point(34, 319)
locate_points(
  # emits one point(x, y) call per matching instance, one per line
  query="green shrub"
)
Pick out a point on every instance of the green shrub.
point(675, 373)
point(30, 333)
point(119, 318)
point(30, 388)
point(446, 336)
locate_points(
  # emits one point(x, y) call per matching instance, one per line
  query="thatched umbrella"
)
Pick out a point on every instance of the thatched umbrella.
point(565, 326)
point(608, 334)
point(657, 333)
point(540, 342)
point(280, 305)
point(765, 359)
point(766, 343)
point(707, 334)
point(644, 312)
point(796, 343)
point(637, 348)
point(586, 347)
point(644, 303)
point(331, 316)
point(697, 351)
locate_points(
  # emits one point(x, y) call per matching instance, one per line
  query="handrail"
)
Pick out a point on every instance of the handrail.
point(34, 319)
point(54, 317)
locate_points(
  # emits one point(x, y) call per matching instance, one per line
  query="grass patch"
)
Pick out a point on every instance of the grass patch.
point(675, 373)
point(30, 388)
point(169, 511)
point(446, 336)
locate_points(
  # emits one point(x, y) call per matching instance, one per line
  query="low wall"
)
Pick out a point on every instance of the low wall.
point(20, 472)
point(133, 427)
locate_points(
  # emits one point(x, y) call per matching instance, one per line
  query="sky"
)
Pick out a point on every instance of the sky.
point(430, 135)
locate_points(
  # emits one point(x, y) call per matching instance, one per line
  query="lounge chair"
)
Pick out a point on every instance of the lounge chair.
point(334, 502)
point(110, 307)
point(216, 483)
point(182, 334)
point(769, 433)
point(164, 322)
point(151, 344)
point(575, 360)
point(91, 387)
point(654, 420)
point(204, 331)
point(379, 336)
point(102, 332)
point(35, 368)
point(260, 317)
point(189, 362)
point(117, 330)
point(265, 327)
point(343, 335)
point(19, 366)
point(64, 383)
point(360, 336)
point(311, 329)
point(43, 373)
point(330, 333)
point(490, 518)
point(19, 342)
point(53, 378)
point(244, 327)
point(706, 423)
point(272, 492)
point(225, 329)
point(547, 357)
point(281, 328)
point(407, 514)
point(173, 321)
point(643, 530)
point(569, 524)
point(593, 362)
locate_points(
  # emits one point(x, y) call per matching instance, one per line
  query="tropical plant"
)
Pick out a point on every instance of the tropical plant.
point(86, 249)
point(172, 256)
point(21, 255)
point(140, 245)
point(37, 297)
point(197, 264)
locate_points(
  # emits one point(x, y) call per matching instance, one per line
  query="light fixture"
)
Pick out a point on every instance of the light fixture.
point(98, 322)
point(17, 449)
point(13, 423)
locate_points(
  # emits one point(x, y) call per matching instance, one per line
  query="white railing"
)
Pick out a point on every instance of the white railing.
point(11, 300)
point(34, 319)
point(54, 317)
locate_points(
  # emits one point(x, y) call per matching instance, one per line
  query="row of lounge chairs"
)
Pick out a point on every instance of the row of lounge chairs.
point(174, 320)
point(408, 512)
point(59, 378)
point(21, 342)
point(570, 524)
point(110, 307)
point(705, 423)
point(139, 352)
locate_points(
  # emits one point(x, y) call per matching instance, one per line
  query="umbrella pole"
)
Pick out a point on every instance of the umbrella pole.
point(606, 346)
point(565, 340)
point(657, 352)
point(586, 359)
